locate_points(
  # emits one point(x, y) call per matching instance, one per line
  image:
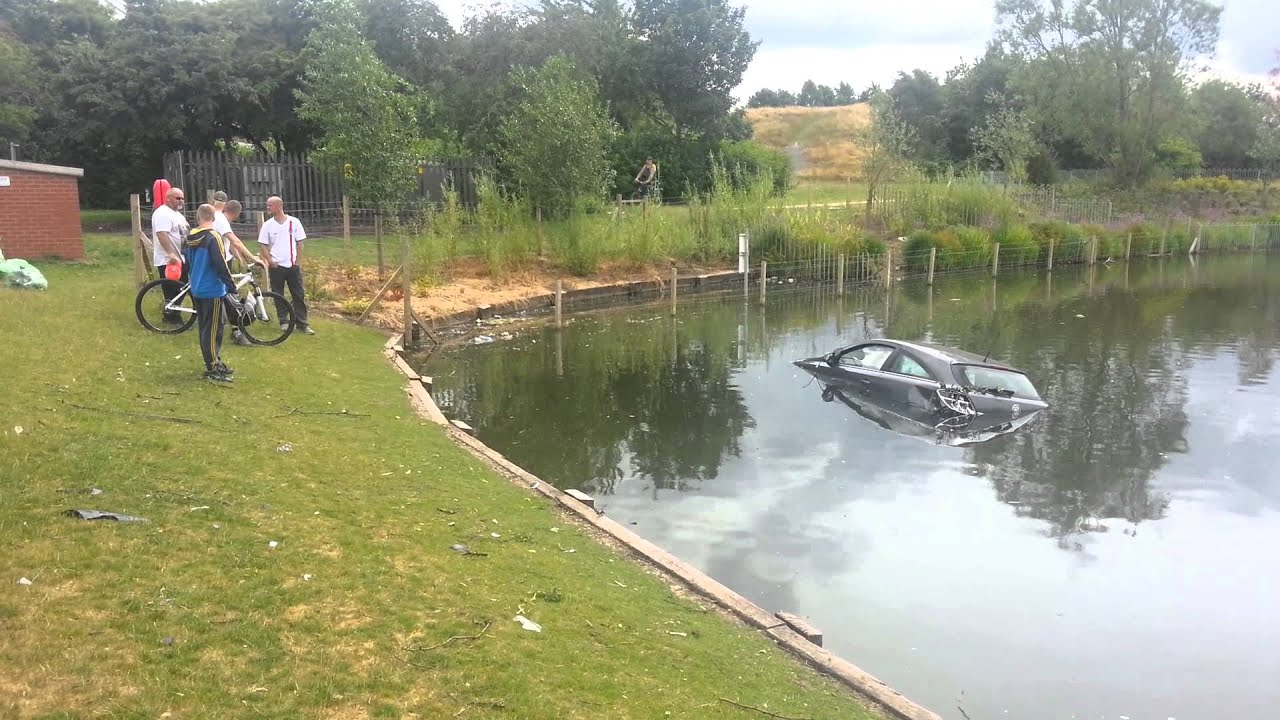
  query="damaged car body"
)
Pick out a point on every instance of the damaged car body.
point(955, 397)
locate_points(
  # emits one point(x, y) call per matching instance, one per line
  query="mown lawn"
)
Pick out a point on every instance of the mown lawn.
point(351, 614)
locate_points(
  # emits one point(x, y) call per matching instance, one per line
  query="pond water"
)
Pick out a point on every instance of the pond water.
point(1118, 557)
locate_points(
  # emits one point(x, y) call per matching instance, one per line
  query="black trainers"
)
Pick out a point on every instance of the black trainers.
point(217, 376)
point(222, 368)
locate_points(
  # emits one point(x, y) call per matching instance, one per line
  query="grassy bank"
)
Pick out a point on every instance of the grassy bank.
point(361, 609)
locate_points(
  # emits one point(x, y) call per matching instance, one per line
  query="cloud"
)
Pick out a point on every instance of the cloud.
point(848, 24)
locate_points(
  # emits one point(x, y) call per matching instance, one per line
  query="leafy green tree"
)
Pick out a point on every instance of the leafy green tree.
point(771, 98)
point(918, 99)
point(1109, 74)
point(696, 52)
point(1226, 122)
point(966, 100)
point(1007, 139)
point(556, 140)
point(366, 118)
point(887, 143)
point(1266, 147)
point(19, 89)
point(845, 94)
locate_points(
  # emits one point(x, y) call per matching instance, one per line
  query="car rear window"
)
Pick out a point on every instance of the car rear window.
point(979, 377)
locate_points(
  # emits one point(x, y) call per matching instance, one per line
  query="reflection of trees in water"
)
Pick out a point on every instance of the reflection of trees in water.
point(641, 389)
point(1116, 387)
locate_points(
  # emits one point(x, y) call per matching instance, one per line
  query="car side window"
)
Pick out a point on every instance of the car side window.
point(907, 365)
point(871, 357)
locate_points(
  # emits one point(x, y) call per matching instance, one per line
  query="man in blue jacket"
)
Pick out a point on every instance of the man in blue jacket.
point(211, 284)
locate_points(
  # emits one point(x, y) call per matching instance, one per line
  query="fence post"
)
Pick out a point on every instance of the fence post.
point(995, 260)
point(1163, 236)
point(1253, 240)
point(933, 262)
point(1052, 243)
point(675, 284)
point(406, 280)
point(559, 303)
point(542, 249)
point(1128, 247)
point(346, 226)
point(764, 277)
point(140, 272)
point(1093, 250)
point(888, 265)
point(840, 274)
point(377, 236)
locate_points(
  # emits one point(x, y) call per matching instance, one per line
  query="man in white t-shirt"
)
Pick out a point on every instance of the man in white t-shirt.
point(226, 212)
point(168, 231)
point(281, 239)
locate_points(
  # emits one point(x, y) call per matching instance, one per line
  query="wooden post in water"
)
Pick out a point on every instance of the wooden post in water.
point(1128, 248)
point(764, 278)
point(140, 272)
point(377, 237)
point(1052, 242)
point(675, 283)
point(888, 266)
point(995, 260)
point(346, 226)
point(559, 303)
point(840, 274)
point(1253, 241)
point(1163, 236)
point(933, 263)
point(1093, 250)
point(406, 285)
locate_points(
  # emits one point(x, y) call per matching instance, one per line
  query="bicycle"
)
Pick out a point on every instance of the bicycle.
point(177, 315)
point(647, 191)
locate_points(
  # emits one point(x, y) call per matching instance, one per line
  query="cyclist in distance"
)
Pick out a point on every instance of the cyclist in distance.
point(646, 178)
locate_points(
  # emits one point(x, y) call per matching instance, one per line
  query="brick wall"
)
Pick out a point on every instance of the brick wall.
point(40, 216)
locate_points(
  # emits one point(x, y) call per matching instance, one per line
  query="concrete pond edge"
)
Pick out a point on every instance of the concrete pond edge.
point(786, 630)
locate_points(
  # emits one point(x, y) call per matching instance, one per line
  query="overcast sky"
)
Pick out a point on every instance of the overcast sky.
point(865, 41)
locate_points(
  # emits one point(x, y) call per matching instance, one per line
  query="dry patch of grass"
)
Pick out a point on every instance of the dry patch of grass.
point(829, 137)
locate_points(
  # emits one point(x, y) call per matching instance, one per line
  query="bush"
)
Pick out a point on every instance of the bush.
point(916, 250)
point(1017, 245)
point(747, 161)
point(965, 247)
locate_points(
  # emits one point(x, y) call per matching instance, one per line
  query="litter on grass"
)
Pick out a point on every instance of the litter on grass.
point(528, 624)
point(99, 515)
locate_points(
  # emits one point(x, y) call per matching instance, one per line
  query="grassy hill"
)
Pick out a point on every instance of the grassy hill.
point(822, 142)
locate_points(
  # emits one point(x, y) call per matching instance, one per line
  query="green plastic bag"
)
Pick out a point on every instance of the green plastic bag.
point(22, 274)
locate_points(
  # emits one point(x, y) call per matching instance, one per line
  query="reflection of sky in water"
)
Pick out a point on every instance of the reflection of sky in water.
point(901, 552)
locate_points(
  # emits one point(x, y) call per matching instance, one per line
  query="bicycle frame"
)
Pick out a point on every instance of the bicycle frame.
point(241, 279)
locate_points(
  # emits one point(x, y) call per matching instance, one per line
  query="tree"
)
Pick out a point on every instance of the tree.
point(1266, 146)
point(1007, 139)
point(556, 140)
point(1227, 117)
point(19, 89)
point(1109, 74)
point(918, 99)
point(965, 99)
point(887, 142)
point(367, 124)
point(768, 98)
point(845, 94)
point(696, 52)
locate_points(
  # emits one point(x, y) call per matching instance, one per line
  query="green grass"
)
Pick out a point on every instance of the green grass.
point(193, 615)
point(99, 220)
point(827, 191)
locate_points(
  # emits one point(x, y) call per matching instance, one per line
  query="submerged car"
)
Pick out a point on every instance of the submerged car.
point(923, 390)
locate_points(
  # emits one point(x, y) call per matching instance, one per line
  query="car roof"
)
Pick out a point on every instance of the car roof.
point(941, 353)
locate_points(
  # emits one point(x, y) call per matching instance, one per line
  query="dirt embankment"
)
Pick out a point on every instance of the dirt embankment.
point(465, 286)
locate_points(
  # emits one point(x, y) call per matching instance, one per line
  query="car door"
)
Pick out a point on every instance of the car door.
point(908, 387)
point(860, 371)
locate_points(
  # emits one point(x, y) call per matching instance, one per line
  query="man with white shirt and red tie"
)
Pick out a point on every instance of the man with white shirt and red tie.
point(281, 239)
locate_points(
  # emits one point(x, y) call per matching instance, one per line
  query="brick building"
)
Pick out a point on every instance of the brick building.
point(40, 211)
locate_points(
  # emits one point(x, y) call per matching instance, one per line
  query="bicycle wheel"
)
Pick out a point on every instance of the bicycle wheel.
point(158, 314)
point(276, 328)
